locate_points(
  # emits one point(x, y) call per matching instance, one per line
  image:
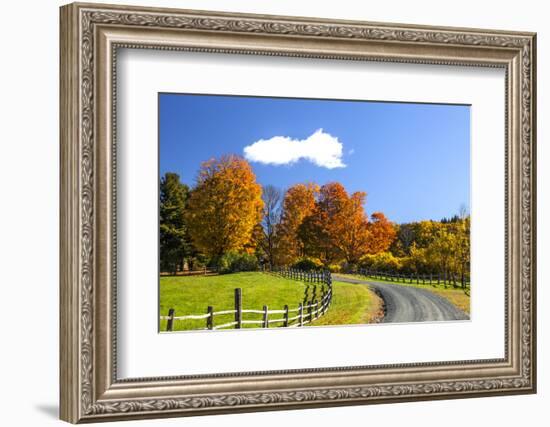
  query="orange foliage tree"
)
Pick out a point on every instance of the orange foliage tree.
point(351, 229)
point(338, 227)
point(225, 206)
point(298, 203)
point(381, 233)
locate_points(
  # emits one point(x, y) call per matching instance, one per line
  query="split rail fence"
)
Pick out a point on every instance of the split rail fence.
point(312, 308)
point(203, 271)
point(431, 278)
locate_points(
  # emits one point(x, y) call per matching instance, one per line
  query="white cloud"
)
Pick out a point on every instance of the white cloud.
point(320, 148)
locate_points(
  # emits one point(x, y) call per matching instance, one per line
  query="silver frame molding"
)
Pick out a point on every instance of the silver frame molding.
point(90, 36)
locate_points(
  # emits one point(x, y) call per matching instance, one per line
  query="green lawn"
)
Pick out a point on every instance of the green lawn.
point(351, 304)
point(457, 296)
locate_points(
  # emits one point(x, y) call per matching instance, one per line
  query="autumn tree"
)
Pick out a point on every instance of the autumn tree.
point(381, 233)
point(351, 229)
point(225, 206)
point(338, 228)
point(449, 250)
point(348, 227)
point(425, 232)
point(317, 230)
point(418, 234)
point(460, 232)
point(174, 238)
point(440, 251)
point(404, 238)
point(298, 203)
point(420, 261)
point(314, 238)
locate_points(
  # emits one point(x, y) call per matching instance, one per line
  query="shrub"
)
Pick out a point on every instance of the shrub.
point(383, 261)
point(308, 264)
point(335, 268)
point(233, 262)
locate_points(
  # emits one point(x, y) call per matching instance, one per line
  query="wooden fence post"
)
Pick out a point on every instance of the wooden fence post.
point(285, 324)
point(170, 323)
point(210, 318)
point(316, 309)
point(301, 314)
point(238, 308)
point(266, 315)
point(310, 311)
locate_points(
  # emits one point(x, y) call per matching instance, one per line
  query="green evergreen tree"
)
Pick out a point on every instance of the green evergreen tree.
point(174, 240)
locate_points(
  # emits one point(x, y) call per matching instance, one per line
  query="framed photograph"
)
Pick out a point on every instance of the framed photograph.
point(266, 212)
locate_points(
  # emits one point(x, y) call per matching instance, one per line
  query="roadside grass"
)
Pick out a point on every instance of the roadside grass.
point(351, 304)
point(459, 297)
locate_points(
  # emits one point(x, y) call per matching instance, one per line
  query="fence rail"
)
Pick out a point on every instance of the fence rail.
point(203, 271)
point(313, 276)
point(312, 308)
point(430, 278)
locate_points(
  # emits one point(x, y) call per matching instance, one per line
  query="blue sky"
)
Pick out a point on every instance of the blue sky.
point(412, 160)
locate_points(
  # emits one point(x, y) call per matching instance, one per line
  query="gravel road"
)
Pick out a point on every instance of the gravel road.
point(410, 304)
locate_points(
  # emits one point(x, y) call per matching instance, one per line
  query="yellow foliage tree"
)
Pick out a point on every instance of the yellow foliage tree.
point(449, 251)
point(461, 246)
point(225, 206)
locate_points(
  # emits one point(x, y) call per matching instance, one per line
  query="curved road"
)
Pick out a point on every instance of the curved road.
point(410, 304)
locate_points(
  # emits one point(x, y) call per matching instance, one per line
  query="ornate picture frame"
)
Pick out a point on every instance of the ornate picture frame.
point(90, 37)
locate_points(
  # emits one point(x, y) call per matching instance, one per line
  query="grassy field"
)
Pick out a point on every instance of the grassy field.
point(456, 296)
point(351, 304)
